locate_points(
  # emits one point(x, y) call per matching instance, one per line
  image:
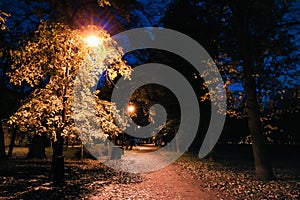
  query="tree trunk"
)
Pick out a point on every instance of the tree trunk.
point(12, 143)
point(37, 148)
point(58, 166)
point(263, 169)
point(58, 161)
point(2, 145)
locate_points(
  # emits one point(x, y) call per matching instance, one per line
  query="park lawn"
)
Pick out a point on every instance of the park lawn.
point(21, 152)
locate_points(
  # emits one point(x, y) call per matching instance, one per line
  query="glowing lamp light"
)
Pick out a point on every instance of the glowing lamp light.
point(130, 108)
point(92, 41)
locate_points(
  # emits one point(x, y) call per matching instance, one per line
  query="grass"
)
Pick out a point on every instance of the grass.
point(21, 152)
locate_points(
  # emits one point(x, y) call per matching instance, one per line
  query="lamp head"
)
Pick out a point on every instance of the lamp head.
point(130, 108)
point(92, 41)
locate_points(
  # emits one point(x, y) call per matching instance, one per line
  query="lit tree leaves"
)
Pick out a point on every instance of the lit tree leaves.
point(53, 49)
point(3, 16)
point(103, 3)
point(40, 113)
point(52, 60)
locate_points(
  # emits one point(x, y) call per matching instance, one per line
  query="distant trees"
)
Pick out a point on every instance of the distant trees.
point(252, 49)
point(20, 23)
point(259, 38)
point(3, 16)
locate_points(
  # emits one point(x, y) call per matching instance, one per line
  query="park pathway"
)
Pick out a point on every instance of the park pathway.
point(171, 182)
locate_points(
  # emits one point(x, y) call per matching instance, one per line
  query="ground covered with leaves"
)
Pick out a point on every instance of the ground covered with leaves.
point(89, 179)
point(188, 178)
point(29, 179)
point(235, 179)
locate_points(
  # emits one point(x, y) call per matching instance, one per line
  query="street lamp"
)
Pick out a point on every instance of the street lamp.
point(92, 41)
point(130, 109)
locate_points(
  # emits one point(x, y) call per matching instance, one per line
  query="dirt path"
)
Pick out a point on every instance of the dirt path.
point(171, 182)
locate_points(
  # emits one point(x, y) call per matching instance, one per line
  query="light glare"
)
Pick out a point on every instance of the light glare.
point(130, 108)
point(92, 41)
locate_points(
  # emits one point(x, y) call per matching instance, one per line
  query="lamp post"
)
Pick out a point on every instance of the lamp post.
point(58, 157)
point(130, 110)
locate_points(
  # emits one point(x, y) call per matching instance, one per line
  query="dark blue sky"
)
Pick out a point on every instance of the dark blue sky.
point(150, 15)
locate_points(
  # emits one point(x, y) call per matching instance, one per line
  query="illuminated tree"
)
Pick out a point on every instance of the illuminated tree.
point(49, 63)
